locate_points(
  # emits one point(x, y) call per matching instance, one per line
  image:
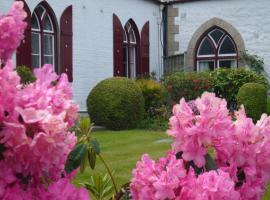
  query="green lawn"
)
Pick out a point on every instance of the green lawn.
point(122, 149)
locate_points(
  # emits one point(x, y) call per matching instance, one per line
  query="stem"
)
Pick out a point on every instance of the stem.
point(110, 173)
point(2, 64)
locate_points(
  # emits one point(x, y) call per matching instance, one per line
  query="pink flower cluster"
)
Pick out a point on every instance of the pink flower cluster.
point(34, 136)
point(35, 122)
point(159, 180)
point(240, 148)
point(11, 30)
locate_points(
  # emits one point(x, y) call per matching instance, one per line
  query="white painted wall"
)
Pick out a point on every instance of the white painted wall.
point(250, 17)
point(93, 36)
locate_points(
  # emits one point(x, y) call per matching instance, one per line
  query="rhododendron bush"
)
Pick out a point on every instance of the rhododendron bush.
point(214, 156)
point(35, 120)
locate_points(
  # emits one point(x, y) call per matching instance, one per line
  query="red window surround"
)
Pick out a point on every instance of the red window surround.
point(123, 61)
point(67, 43)
point(23, 53)
point(28, 45)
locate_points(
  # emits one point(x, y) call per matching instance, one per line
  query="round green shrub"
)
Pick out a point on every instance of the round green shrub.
point(25, 74)
point(254, 98)
point(116, 103)
point(226, 83)
point(154, 94)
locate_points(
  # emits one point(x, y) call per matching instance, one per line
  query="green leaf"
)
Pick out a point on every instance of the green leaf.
point(92, 158)
point(75, 157)
point(96, 146)
point(85, 124)
point(100, 186)
point(83, 163)
point(210, 163)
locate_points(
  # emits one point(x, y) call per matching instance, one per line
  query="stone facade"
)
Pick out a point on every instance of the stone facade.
point(246, 20)
point(172, 30)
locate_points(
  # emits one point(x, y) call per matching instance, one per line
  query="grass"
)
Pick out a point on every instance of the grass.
point(122, 149)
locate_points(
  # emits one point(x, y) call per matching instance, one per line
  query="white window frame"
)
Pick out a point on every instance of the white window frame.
point(39, 48)
point(227, 55)
point(198, 66)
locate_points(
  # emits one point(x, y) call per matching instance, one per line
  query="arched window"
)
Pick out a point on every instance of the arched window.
point(43, 34)
point(216, 49)
point(130, 51)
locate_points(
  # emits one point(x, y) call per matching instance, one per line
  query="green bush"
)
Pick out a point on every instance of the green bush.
point(228, 81)
point(268, 106)
point(189, 85)
point(157, 121)
point(154, 94)
point(254, 98)
point(26, 75)
point(154, 124)
point(116, 103)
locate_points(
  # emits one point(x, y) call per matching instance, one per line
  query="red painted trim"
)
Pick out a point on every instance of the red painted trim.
point(145, 49)
point(23, 53)
point(216, 57)
point(66, 27)
point(118, 47)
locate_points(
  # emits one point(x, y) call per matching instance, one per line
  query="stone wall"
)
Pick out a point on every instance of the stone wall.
point(251, 19)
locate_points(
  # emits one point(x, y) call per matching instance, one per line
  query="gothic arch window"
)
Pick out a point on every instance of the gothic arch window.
point(216, 49)
point(131, 49)
point(129, 52)
point(43, 37)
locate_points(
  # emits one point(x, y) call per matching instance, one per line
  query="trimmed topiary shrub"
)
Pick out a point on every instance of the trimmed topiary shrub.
point(25, 74)
point(189, 85)
point(154, 94)
point(254, 98)
point(116, 103)
point(228, 81)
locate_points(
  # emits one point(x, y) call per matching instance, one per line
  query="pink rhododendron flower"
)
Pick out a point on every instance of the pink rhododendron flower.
point(12, 27)
point(35, 122)
point(9, 81)
point(240, 149)
point(213, 185)
point(159, 180)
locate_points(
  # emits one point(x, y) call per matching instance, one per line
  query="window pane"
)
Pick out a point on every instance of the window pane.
point(125, 37)
point(40, 10)
point(132, 62)
point(128, 26)
point(48, 60)
point(206, 65)
point(228, 63)
point(47, 24)
point(48, 45)
point(216, 35)
point(34, 22)
point(125, 57)
point(227, 46)
point(35, 61)
point(206, 48)
point(132, 36)
point(35, 43)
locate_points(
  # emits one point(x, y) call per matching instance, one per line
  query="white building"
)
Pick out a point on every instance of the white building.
point(93, 40)
point(236, 25)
